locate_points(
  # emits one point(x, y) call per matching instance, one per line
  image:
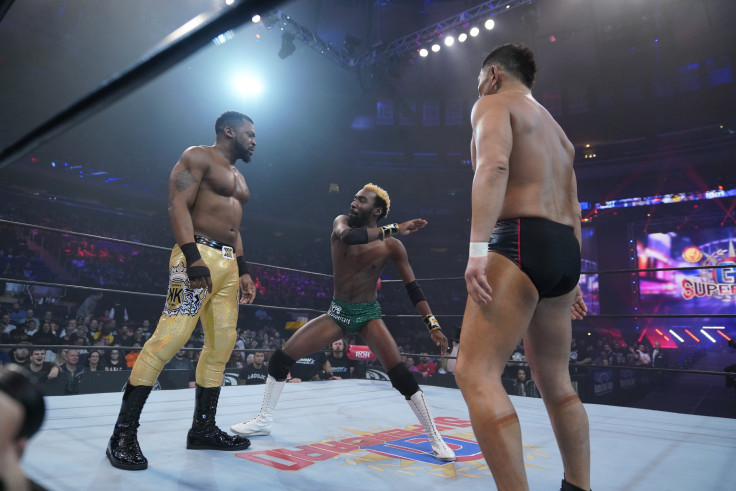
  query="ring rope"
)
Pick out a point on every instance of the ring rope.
point(143, 244)
point(305, 309)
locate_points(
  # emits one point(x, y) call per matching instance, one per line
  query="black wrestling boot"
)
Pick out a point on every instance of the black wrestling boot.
point(123, 450)
point(204, 434)
point(566, 486)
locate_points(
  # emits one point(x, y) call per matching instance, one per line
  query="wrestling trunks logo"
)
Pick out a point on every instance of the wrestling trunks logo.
point(180, 299)
point(335, 311)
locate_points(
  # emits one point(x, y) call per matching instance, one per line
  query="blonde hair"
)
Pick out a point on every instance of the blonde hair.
point(382, 194)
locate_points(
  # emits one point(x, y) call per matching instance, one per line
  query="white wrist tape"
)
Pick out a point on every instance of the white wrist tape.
point(478, 249)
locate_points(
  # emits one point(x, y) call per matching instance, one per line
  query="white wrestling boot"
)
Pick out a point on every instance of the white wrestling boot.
point(439, 448)
point(261, 424)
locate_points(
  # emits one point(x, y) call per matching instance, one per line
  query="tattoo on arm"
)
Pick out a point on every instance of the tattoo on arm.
point(184, 180)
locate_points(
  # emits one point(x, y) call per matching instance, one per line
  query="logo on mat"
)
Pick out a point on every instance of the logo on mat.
point(180, 299)
point(380, 450)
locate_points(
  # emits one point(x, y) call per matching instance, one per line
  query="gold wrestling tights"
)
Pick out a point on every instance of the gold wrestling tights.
point(218, 312)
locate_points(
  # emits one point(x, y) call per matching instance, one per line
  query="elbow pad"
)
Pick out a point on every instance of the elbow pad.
point(354, 236)
point(415, 292)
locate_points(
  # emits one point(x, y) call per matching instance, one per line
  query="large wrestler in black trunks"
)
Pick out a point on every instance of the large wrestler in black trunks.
point(525, 287)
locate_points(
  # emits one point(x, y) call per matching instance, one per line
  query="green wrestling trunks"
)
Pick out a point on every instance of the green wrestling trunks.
point(351, 317)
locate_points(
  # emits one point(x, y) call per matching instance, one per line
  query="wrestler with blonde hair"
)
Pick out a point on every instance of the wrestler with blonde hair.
point(360, 251)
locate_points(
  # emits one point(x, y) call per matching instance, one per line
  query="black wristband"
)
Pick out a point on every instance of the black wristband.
point(198, 272)
point(389, 230)
point(191, 253)
point(242, 266)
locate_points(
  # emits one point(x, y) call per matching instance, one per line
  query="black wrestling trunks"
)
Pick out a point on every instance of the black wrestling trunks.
point(548, 252)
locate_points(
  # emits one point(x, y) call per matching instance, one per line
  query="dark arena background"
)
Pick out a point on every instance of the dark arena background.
point(99, 100)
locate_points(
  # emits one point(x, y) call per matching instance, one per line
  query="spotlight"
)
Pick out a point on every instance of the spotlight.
point(435, 48)
point(474, 31)
point(449, 41)
point(462, 37)
point(229, 2)
point(423, 52)
point(287, 45)
point(489, 24)
point(256, 19)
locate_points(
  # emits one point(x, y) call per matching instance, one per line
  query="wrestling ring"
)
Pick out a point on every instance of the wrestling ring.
point(359, 433)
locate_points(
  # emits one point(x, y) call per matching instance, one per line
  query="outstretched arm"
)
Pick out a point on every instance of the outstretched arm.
point(401, 259)
point(353, 236)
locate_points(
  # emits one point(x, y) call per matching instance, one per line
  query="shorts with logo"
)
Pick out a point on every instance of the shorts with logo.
point(352, 317)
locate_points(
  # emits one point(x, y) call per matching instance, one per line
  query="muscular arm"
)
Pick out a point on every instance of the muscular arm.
point(184, 182)
point(493, 139)
point(401, 259)
point(354, 236)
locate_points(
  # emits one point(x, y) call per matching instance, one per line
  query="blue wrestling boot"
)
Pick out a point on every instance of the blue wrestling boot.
point(204, 434)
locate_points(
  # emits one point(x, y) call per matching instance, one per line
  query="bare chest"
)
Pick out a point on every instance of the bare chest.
point(228, 183)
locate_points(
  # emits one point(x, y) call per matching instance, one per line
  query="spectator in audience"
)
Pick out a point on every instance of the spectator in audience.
point(606, 354)
point(520, 383)
point(132, 355)
point(115, 361)
point(60, 357)
point(641, 356)
point(89, 305)
point(255, 372)
point(94, 362)
point(342, 367)
point(40, 371)
point(68, 334)
point(411, 363)
point(20, 355)
point(660, 358)
point(180, 361)
point(118, 312)
point(6, 325)
point(235, 363)
point(31, 328)
point(44, 336)
point(309, 368)
point(30, 316)
point(125, 336)
point(426, 366)
point(240, 344)
point(104, 336)
point(139, 335)
point(71, 371)
point(48, 316)
point(17, 314)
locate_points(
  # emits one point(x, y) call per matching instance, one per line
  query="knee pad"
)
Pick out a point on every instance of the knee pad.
point(279, 364)
point(403, 380)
